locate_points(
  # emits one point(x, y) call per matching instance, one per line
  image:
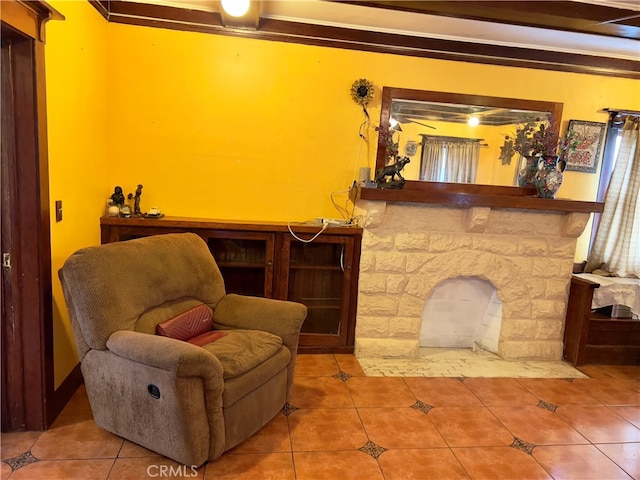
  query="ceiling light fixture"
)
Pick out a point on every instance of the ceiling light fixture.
point(236, 8)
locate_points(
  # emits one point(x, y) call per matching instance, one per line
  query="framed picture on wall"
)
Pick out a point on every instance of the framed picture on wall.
point(590, 137)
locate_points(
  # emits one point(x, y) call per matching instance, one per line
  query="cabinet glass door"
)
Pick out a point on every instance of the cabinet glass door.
point(319, 276)
point(245, 260)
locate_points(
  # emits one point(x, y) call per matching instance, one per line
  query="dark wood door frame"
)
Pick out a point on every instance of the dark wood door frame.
point(27, 330)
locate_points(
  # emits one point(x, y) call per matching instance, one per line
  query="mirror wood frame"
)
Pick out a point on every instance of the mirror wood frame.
point(392, 93)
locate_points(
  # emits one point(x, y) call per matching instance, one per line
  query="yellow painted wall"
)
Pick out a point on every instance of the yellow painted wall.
point(76, 75)
point(233, 128)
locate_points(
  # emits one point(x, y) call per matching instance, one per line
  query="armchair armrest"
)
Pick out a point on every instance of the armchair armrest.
point(181, 358)
point(185, 422)
point(279, 317)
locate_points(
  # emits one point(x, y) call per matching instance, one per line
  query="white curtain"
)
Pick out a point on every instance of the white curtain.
point(616, 247)
point(432, 163)
point(449, 161)
point(462, 162)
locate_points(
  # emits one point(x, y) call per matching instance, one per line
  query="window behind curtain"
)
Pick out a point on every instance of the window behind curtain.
point(446, 159)
point(611, 147)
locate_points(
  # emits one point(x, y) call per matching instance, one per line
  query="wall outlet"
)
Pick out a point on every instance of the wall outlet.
point(58, 210)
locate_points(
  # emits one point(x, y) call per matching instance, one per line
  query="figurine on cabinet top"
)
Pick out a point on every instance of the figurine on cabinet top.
point(136, 204)
point(117, 197)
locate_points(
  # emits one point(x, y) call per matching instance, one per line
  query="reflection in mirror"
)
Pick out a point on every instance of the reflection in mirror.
point(457, 137)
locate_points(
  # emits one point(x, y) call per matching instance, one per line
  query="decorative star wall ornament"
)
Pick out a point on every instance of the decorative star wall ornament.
point(362, 92)
point(506, 152)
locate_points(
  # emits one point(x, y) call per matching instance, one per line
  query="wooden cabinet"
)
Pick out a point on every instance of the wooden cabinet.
point(319, 274)
point(590, 337)
point(245, 259)
point(265, 259)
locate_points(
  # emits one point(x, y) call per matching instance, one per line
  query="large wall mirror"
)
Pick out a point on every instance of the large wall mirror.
point(427, 124)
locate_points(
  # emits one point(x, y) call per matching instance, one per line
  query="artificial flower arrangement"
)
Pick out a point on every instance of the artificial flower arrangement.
point(536, 138)
point(385, 137)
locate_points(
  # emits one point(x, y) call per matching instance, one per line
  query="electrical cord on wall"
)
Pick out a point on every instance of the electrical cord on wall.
point(363, 139)
point(324, 227)
point(344, 211)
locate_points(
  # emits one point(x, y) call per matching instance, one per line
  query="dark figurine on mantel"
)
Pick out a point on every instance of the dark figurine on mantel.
point(117, 197)
point(136, 201)
point(392, 171)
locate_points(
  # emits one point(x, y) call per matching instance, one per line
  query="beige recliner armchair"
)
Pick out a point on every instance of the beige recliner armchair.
point(187, 402)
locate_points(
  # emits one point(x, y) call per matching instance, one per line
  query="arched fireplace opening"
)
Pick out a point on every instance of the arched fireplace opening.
point(462, 312)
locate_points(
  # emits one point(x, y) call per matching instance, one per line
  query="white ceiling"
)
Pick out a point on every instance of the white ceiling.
point(439, 27)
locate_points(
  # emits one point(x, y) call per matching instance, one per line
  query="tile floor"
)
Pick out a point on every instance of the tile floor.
point(344, 425)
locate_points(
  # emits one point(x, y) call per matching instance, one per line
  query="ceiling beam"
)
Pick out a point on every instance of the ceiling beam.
point(160, 16)
point(568, 16)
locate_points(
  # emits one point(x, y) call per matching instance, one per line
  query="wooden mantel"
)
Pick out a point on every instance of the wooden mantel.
point(470, 195)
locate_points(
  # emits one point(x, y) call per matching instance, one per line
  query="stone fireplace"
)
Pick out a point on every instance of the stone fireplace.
point(408, 249)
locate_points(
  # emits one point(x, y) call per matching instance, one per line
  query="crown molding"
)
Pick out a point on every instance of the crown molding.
point(29, 18)
point(161, 16)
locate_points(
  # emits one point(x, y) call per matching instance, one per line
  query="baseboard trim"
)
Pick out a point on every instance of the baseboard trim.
point(64, 392)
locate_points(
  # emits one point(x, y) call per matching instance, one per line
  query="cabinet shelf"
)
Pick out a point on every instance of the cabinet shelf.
point(246, 266)
point(319, 334)
point(316, 267)
point(599, 317)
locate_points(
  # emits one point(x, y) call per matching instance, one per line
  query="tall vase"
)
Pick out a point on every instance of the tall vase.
point(548, 178)
point(525, 176)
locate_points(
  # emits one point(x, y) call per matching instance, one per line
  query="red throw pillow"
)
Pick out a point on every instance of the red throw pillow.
point(187, 325)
